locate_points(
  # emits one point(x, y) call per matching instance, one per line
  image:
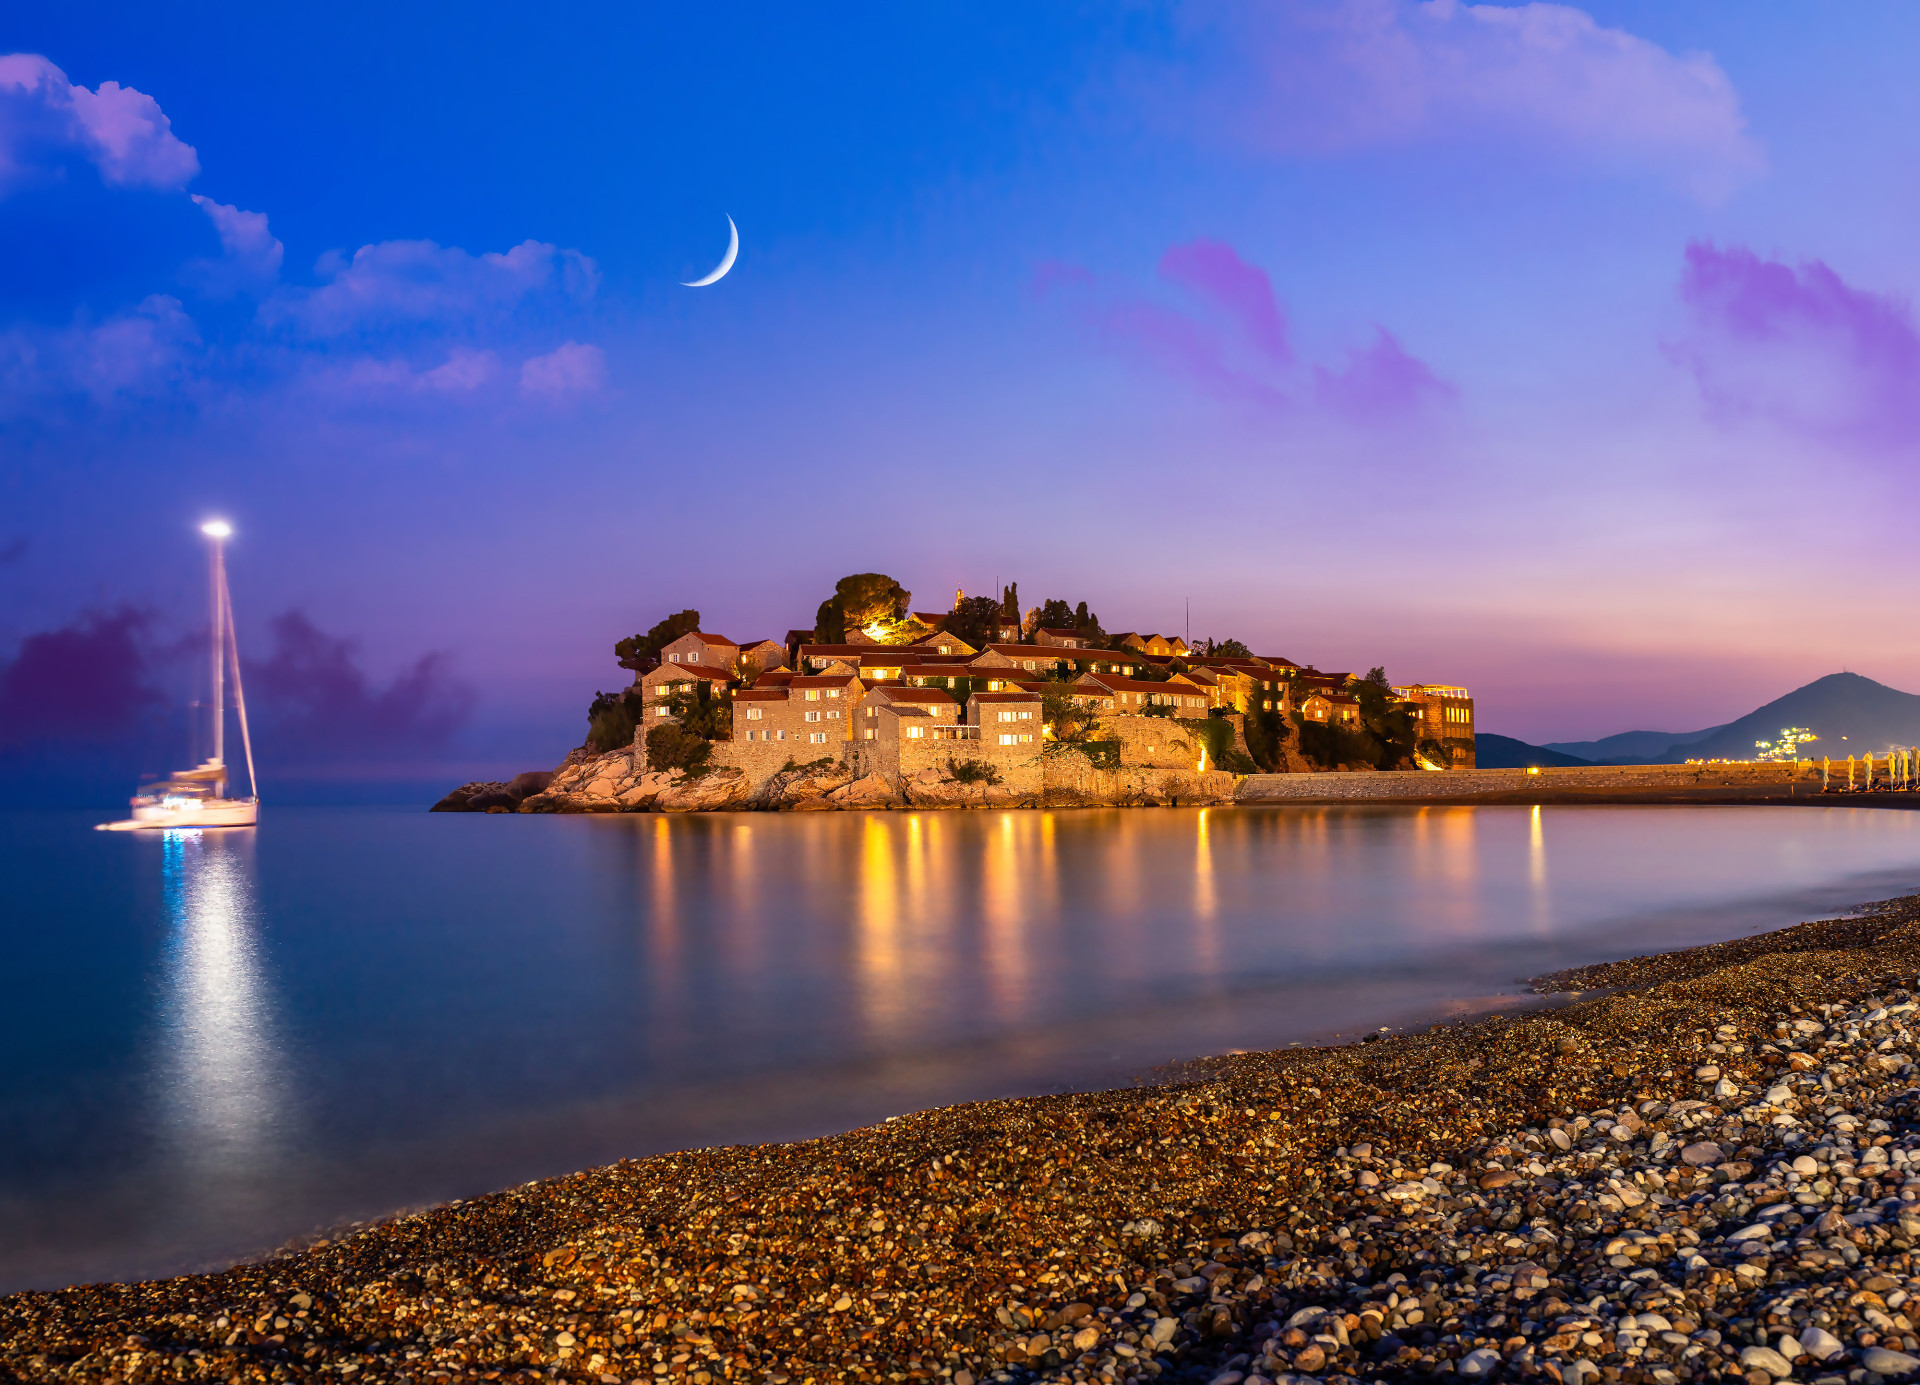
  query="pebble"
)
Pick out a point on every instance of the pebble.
point(1488, 1200)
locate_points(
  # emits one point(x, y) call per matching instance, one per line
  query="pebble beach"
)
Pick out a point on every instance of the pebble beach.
point(1705, 1167)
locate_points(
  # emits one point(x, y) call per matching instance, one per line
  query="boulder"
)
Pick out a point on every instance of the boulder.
point(803, 788)
point(707, 793)
point(871, 792)
point(461, 800)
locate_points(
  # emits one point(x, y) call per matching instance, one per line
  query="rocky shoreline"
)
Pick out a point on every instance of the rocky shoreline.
point(1711, 1173)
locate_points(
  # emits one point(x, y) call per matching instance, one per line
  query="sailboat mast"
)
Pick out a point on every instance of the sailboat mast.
point(216, 581)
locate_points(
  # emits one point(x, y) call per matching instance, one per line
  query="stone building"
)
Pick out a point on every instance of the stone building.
point(1060, 639)
point(709, 651)
point(1007, 719)
point(761, 656)
point(1335, 709)
point(1132, 696)
point(928, 704)
point(1446, 715)
point(668, 680)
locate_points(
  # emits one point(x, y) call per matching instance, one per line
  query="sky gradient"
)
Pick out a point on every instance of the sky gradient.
point(1564, 353)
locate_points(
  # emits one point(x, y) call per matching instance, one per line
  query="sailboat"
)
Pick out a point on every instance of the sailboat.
point(197, 797)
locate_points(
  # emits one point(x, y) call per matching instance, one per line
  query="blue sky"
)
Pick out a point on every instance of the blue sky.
point(1372, 329)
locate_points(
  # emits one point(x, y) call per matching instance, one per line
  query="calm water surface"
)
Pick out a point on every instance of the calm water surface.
point(215, 1043)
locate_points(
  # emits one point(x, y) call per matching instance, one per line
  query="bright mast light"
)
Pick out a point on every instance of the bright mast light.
point(216, 529)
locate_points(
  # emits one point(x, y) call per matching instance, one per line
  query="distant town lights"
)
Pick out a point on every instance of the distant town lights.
point(216, 529)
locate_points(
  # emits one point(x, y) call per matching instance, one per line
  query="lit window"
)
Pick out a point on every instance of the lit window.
point(833, 692)
point(916, 732)
point(1006, 740)
point(867, 735)
point(662, 712)
point(1026, 715)
point(813, 694)
point(753, 714)
point(817, 738)
point(1025, 739)
point(813, 716)
point(673, 658)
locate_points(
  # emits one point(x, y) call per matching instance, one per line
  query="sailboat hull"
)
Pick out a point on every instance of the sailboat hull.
point(218, 812)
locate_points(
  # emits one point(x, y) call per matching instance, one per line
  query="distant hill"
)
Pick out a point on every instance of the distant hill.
point(1630, 747)
point(1850, 714)
point(1504, 752)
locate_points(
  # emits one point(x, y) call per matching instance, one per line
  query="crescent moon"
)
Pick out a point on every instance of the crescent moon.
point(726, 261)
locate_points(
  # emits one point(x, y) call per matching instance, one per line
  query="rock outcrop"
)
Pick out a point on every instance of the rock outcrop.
point(492, 796)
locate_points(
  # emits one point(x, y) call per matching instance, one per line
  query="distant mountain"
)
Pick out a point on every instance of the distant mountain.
point(1504, 752)
point(1850, 714)
point(1631, 747)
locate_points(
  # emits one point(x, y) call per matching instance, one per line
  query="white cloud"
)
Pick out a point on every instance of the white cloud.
point(122, 132)
point(253, 256)
point(1315, 78)
point(400, 283)
point(570, 370)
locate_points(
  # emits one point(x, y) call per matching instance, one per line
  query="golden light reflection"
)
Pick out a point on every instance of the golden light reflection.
point(1537, 873)
point(878, 945)
point(1205, 906)
point(664, 934)
point(1001, 914)
point(222, 1076)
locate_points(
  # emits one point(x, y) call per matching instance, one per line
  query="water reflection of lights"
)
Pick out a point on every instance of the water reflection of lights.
point(221, 1075)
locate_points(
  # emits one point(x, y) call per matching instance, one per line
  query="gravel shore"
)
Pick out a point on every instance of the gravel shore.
point(1702, 1175)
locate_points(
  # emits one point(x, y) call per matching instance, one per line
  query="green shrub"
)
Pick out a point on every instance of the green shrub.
point(972, 772)
point(674, 747)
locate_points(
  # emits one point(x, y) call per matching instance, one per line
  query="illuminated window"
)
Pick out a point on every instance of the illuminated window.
point(662, 711)
point(833, 692)
point(1006, 740)
point(867, 735)
point(916, 732)
point(1026, 738)
point(817, 738)
point(813, 694)
point(753, 714)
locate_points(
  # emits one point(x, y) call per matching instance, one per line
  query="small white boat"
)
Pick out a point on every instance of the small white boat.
point(198, 797)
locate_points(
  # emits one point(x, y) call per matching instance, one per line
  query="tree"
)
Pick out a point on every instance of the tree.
point(612, 719)
point(1067, 718)
point(642, 652)
point(1010, 603)
point(702, 712)
point(1057, 615)
point(974, 620)
point(1228, 649)
point(865, 598)
point(1378, 677)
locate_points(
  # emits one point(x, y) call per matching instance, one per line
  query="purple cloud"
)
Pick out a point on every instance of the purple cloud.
point(142, 353)
point(1239, 347)
point(122, 132)
point(404, 283)
point(1319, 78)
point(1215, 271)
point(252, 256)
point(1380, 382)
point(84, 683)
point(317, 703)
point(1800, 346)
point(570, 370)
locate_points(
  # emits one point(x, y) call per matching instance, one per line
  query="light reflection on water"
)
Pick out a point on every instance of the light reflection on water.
point(223, 1040)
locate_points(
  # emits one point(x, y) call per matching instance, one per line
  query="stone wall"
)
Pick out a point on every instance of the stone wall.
point(761, 760)
point(1470, 783)
point(1156, 742)
point(1072, 781)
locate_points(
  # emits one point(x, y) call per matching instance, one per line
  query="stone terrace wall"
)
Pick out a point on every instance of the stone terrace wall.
point(1467, 783)
point(1157, 742)
point(1074, 782)
point(763, 759)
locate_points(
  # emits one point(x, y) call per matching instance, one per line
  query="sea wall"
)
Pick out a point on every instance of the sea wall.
point(1474, 783)
point(1073, 781)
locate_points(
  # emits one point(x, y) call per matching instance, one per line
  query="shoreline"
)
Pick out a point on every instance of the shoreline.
point(912, 1249)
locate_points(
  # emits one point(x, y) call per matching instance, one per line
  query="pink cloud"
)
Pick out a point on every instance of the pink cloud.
point(417, 282)
point(1214, 270)
point(1318, 78)
point(1237, 348)
point(569, 370)
point(141, 353)
point(1800, 346)
point(1380, 382)
point(464, 371)
point(122, 132)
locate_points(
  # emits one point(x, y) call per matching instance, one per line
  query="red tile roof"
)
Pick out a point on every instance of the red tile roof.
point(824, 680)
point(705, 638)
point(932, 695)
point(761, 695)
point(1005, 697)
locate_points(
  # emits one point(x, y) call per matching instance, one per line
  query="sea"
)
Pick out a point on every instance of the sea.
point(216, 1044)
